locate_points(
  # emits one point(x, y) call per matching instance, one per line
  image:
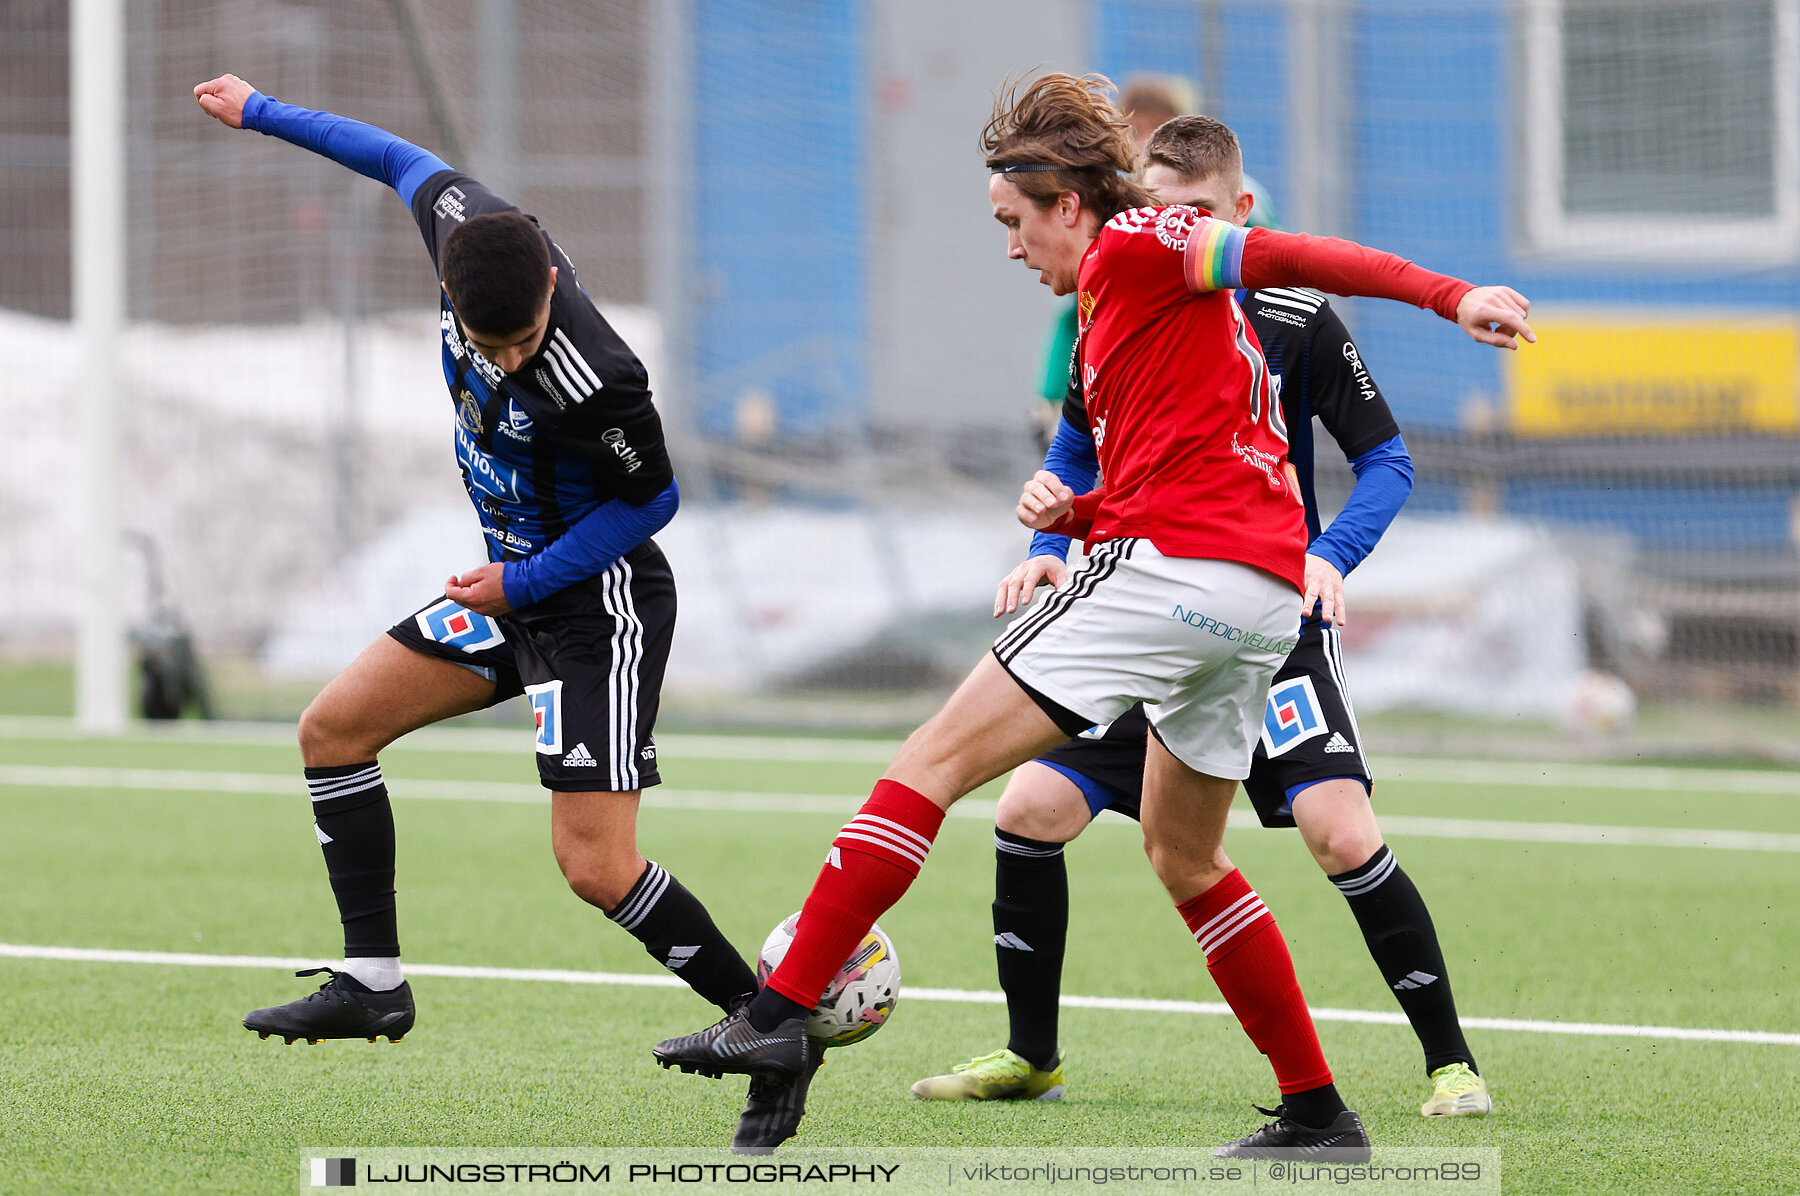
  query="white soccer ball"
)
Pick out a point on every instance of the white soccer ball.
point(1599, 704)
point(860, 998)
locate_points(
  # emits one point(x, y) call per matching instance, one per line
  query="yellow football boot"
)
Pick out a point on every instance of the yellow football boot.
point(1456, 1091)
point(999, 1076)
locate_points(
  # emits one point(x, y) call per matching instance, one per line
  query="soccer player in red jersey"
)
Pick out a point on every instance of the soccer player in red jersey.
point(1189, 601)
point(1308, 771)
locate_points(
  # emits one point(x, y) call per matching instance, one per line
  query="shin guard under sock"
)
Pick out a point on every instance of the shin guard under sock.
point(1249, 961)
point(873, 860)
point(1397, 927)
point(679, 934)
point(1031, 929)
point(355, 826)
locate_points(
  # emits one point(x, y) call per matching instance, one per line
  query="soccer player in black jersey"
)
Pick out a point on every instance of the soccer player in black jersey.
point(1308, 770)
point(562, 453)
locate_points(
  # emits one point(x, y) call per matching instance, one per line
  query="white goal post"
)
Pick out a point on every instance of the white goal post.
point(97, 227)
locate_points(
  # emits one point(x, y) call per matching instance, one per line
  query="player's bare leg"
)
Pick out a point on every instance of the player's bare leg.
point(1184, 814)
point(387, 691)
point(1041, 803)
point(1338, 823)
point(989, 725)
point(1039, 811)
point(594, 836)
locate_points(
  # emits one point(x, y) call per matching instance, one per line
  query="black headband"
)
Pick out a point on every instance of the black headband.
point(1030, 168)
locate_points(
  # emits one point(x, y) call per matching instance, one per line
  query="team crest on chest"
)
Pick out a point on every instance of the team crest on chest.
point(517, 423)
point(468, 411)
point(1174, 225)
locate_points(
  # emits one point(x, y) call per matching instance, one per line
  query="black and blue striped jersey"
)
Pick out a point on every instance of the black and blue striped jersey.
point(573, 428)
point(1316, 369)
point(564, 459)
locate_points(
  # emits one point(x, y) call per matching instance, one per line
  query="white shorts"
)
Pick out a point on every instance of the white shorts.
point(1195, 640)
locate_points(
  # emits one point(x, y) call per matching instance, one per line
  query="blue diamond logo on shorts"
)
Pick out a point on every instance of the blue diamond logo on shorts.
point(546, 708)
point(457, 626)
point(1291, 716)
point(334, 1173)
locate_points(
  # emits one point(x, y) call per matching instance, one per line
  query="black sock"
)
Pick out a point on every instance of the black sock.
point(1403, 941)
point(771, 1008)
point(1315, 1108)
point(355, 825)
point(679, 934)
point(1031, 927)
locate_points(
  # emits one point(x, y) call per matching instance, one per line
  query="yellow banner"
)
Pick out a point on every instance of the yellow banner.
point(1629, 375)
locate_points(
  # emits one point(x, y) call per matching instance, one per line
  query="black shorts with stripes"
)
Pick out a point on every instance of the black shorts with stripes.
point(1309, 735)
point(590, 658)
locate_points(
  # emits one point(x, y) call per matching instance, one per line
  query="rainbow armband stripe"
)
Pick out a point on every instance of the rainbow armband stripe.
point(1215, 256)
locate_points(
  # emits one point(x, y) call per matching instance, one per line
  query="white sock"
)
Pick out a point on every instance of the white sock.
point(377, 975)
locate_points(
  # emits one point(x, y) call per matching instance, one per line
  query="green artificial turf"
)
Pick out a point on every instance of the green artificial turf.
point(132, 1077)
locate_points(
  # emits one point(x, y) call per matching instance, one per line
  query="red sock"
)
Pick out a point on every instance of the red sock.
point(1249, 961)
point(872, 863)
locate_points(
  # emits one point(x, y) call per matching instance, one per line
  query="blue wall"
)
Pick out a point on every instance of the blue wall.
point(780, 261)
point(1434, 180)
point(1431, 150)
point(1168, 37)
point(782, 158)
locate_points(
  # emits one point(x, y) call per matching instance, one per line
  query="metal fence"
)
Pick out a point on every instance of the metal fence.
point(781, 208)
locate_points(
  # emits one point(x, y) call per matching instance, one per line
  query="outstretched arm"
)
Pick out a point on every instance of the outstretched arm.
point(1220, 256)
point(375, 153)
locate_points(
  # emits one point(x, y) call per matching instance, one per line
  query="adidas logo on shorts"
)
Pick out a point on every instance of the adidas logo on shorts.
point(580, 757)
point(1338, 743)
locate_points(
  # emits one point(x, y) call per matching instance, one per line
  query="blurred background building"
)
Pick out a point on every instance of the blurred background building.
point(781, 205)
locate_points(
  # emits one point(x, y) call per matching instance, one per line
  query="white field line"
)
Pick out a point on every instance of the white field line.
point(723, 800)
point(956, 995)
point(1524, 774)
point(285, 785)
point(799, 750)
point(469, 739)
point(1581, 832)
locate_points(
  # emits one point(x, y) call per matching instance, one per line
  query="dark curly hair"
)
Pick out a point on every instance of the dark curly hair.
point(496, 268)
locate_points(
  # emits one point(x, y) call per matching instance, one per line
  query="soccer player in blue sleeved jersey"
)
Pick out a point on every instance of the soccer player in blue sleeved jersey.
point(562, 453)
point(1308, 770)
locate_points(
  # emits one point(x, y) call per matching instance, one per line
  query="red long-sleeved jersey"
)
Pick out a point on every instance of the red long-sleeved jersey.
point(1190, 439)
